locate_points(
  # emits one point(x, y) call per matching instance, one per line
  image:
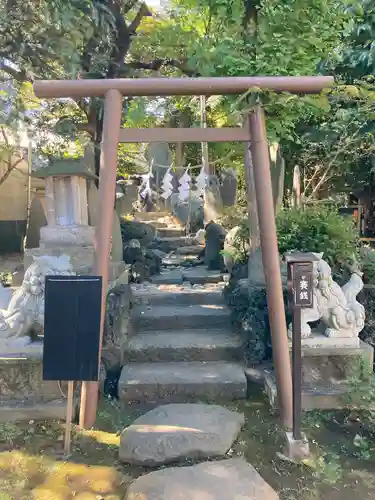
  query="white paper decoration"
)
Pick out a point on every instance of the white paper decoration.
point(184, 186)
point(201, 181)
point(146, 191)
point(166, 185)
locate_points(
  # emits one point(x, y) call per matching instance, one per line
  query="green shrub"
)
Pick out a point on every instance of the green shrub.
point(318, 229)
point(368, 264)
point(233, 216)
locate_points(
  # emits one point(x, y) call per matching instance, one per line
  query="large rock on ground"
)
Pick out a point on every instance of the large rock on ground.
point(178, 432)
point(222, 480)
point(143, 261)
point(188, 211)
point(134, 230)
point(215, 237)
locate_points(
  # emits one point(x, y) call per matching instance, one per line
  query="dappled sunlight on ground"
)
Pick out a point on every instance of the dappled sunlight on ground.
point(103, 437)
point(31, 464)
point(50, 479)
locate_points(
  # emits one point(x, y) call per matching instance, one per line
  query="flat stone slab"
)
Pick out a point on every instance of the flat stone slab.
point(177, 382)
point(178, 432)
point(233, 479)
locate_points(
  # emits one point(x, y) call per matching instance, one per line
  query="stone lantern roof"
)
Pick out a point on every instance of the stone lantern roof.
point(65, 168)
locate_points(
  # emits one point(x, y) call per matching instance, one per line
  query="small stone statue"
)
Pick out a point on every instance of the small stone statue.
point(26, 308)
point(337, 308)
point(215, 237)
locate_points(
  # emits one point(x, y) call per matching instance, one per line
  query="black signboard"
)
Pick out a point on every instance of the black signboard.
point(72, 328)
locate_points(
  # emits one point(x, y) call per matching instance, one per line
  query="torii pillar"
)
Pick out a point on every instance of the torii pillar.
point(113, 91)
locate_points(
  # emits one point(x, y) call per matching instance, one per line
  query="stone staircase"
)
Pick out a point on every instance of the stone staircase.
point(182, 348)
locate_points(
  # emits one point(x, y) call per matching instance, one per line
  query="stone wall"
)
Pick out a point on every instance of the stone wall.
point(117, 326)
point(249, 312)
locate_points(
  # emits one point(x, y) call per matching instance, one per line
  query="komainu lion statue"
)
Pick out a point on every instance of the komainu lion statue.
point(336, 307)
point(25, 311)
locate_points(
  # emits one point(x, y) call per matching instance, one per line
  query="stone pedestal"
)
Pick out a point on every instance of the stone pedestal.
point(81, 258)
point(336, 362)
point(78, 235)
point(328, 366)
point(23, 393)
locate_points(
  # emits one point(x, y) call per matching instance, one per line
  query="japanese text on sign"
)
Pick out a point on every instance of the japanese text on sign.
point(302, 285)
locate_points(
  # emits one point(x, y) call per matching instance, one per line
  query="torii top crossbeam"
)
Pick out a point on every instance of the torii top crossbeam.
point(181, 86)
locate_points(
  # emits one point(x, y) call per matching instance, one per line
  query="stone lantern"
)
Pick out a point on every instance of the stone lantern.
point(66, 204)
point(69, 214)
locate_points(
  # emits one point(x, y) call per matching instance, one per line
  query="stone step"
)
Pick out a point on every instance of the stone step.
point(174, 260)
point(153, 318)
point(190, 250)
point(157, 224)
point(194, 275)
point(179, 294)
point(168, 277)
point(181, 382)
point(201, 275)
point(174, 242)
point(150, 216)
point(186, 345)
point(171, 232)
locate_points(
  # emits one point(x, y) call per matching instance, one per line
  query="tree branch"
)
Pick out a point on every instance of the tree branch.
point(9, 170)
point(143, 12)
point(10, 166)
point(14, 73)
point(157, 64)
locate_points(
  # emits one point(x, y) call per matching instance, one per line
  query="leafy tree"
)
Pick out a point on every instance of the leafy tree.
point(237, 38)
point(353, 59)
point(70, 39)
point(335, 148)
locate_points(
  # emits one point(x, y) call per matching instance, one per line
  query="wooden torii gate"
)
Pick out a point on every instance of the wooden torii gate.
point(253, 132)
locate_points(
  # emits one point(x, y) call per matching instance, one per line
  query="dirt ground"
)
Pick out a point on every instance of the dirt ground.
point(31, 468)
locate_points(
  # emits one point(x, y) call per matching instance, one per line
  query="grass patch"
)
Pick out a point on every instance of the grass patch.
point(342, 465)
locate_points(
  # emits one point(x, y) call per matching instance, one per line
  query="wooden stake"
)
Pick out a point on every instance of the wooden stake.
point(69, 415)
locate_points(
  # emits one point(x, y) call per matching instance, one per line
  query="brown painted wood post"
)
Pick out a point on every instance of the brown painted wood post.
point(103, 235)
point(271, 264)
